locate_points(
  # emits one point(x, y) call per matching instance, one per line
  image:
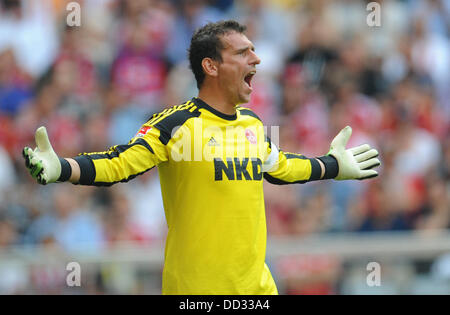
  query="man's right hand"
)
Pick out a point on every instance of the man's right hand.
point(354, 163)
point(42, 162)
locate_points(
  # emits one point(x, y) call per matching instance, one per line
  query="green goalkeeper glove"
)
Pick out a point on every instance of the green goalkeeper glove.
point(42, 163)
point(356, 162)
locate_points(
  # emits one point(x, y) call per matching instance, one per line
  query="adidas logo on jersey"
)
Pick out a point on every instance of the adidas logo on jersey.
point(212, 142)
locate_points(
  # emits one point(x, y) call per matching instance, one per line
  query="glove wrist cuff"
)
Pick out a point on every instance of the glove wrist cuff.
point(66, 170)
point(331, 166)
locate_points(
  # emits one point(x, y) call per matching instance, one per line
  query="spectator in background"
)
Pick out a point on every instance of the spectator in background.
point(15, 84)
point(436, 212)
point(118, 226)
point(15, 93)
point(305, 110)
point(8, 232)
point(7, 177)
point(139, 71)
point(378, 211)
point(311, 215)
point(190, 15)
point(70, 225)
point(46, 108)
point(134, 213)
point(29, 28)
point(74, 75)
point(13, 276)
point(436, 15)
point(146, 207)
point(430, 59)
point(310, 274)
point(281, 205)
point(417, 150)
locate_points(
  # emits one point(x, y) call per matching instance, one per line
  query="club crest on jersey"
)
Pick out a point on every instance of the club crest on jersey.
point(143, 131)
point(250, 136)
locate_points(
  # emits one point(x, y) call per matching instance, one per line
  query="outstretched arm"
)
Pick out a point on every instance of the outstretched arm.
point(355, 163)
point(119, 164)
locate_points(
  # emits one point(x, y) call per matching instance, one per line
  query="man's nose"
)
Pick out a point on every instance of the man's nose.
point(255, 59)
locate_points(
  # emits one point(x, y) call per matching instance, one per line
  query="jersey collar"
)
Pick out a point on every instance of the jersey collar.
point(201, 104)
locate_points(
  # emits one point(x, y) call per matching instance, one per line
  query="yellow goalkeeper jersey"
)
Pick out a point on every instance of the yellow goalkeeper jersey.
point(211, 169)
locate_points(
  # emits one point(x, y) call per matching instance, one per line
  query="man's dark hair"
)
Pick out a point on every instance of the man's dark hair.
point(206, 43)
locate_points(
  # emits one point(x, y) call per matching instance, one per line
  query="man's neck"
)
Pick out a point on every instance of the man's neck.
point(217, 101)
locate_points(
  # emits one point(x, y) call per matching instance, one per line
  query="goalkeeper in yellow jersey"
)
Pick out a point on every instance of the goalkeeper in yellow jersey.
point(212, 156)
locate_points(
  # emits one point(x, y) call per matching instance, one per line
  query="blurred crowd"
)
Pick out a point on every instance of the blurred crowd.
point(323, 67)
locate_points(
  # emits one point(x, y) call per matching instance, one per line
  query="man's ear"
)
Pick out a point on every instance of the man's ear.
point(210, 67)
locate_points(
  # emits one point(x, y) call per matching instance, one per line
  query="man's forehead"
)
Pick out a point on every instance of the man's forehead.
point(235, 40)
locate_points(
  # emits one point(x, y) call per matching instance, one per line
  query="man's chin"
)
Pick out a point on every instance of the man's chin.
point(243, 99)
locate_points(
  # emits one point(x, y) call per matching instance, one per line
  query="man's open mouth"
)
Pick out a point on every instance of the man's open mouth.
point(248, 78)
